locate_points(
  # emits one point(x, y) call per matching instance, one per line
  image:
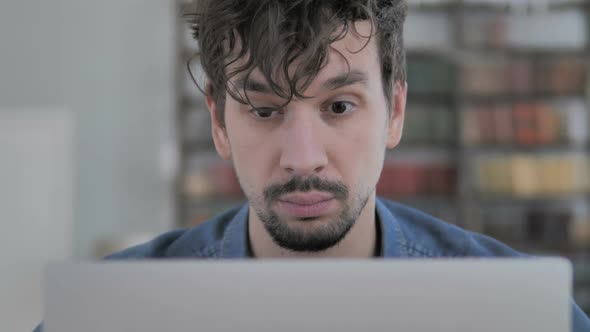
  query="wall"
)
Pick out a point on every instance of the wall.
point(109, 66)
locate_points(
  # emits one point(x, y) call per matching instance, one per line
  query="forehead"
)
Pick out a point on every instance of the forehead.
point(355, 52)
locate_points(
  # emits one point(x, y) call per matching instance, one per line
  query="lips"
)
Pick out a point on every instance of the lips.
point(305, 198)
point(306, 205)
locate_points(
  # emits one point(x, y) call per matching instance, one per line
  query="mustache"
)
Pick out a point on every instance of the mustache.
point(297, 183)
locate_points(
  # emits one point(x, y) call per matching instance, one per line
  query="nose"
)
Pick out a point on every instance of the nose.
point(303, 148)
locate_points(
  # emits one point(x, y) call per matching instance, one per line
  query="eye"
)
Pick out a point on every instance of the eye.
point(265, 112)
point(340, 107)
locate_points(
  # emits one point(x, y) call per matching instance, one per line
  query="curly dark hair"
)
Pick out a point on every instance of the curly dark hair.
point(274, 35)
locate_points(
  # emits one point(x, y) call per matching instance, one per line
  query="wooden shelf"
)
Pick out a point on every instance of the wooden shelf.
point(547, 201)
point(498, 6)
point(517, 149)
point(500, 98)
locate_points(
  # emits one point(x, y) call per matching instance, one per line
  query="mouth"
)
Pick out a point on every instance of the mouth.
point(306, 205)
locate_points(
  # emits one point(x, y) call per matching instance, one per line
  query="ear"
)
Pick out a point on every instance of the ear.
point(396, 119)
point(218, 130)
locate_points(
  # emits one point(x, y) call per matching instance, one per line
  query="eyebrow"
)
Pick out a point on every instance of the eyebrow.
point(350, 78)
point(251, 85)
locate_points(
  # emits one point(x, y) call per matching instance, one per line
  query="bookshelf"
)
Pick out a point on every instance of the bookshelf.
point(520, 107)
point(496, 131)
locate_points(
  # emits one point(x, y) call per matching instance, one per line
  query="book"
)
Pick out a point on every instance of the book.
point(524, 176)
point(547, 124)
point(441, 125)
point(486, 125)
point(525, 124)
point(519, 76)
point(470, 126)
point(576, 120)
point(503, 124)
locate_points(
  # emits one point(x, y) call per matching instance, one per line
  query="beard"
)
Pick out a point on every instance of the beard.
point(324, 235)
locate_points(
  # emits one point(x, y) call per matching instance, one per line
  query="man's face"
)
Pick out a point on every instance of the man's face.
point(309, 168)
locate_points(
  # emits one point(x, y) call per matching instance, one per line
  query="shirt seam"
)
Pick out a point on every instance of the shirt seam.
point(417, 248)
point(387, 216)
point(402, 242)
point(206, 251)
point(226, 234)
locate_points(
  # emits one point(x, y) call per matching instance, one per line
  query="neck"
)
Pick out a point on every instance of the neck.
point(359, 242)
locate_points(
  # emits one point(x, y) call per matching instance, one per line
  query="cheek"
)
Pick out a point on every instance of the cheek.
point(251, 152)
point(359, 152)
point(241, 134)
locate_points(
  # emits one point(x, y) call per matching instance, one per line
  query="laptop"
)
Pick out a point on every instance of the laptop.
point(456, 295)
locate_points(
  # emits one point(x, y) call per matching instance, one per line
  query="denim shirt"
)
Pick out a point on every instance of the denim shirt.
point(404, 232)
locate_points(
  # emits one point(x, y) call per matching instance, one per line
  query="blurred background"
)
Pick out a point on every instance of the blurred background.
point(105, 141)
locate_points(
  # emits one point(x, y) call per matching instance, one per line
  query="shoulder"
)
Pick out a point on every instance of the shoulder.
point(424, 235)
point(202, 241)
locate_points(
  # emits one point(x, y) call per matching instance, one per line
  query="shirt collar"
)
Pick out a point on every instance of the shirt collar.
point(392, 238)
point(235, 241)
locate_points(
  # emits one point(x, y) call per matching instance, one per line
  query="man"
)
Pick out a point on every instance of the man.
point(305, 96)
